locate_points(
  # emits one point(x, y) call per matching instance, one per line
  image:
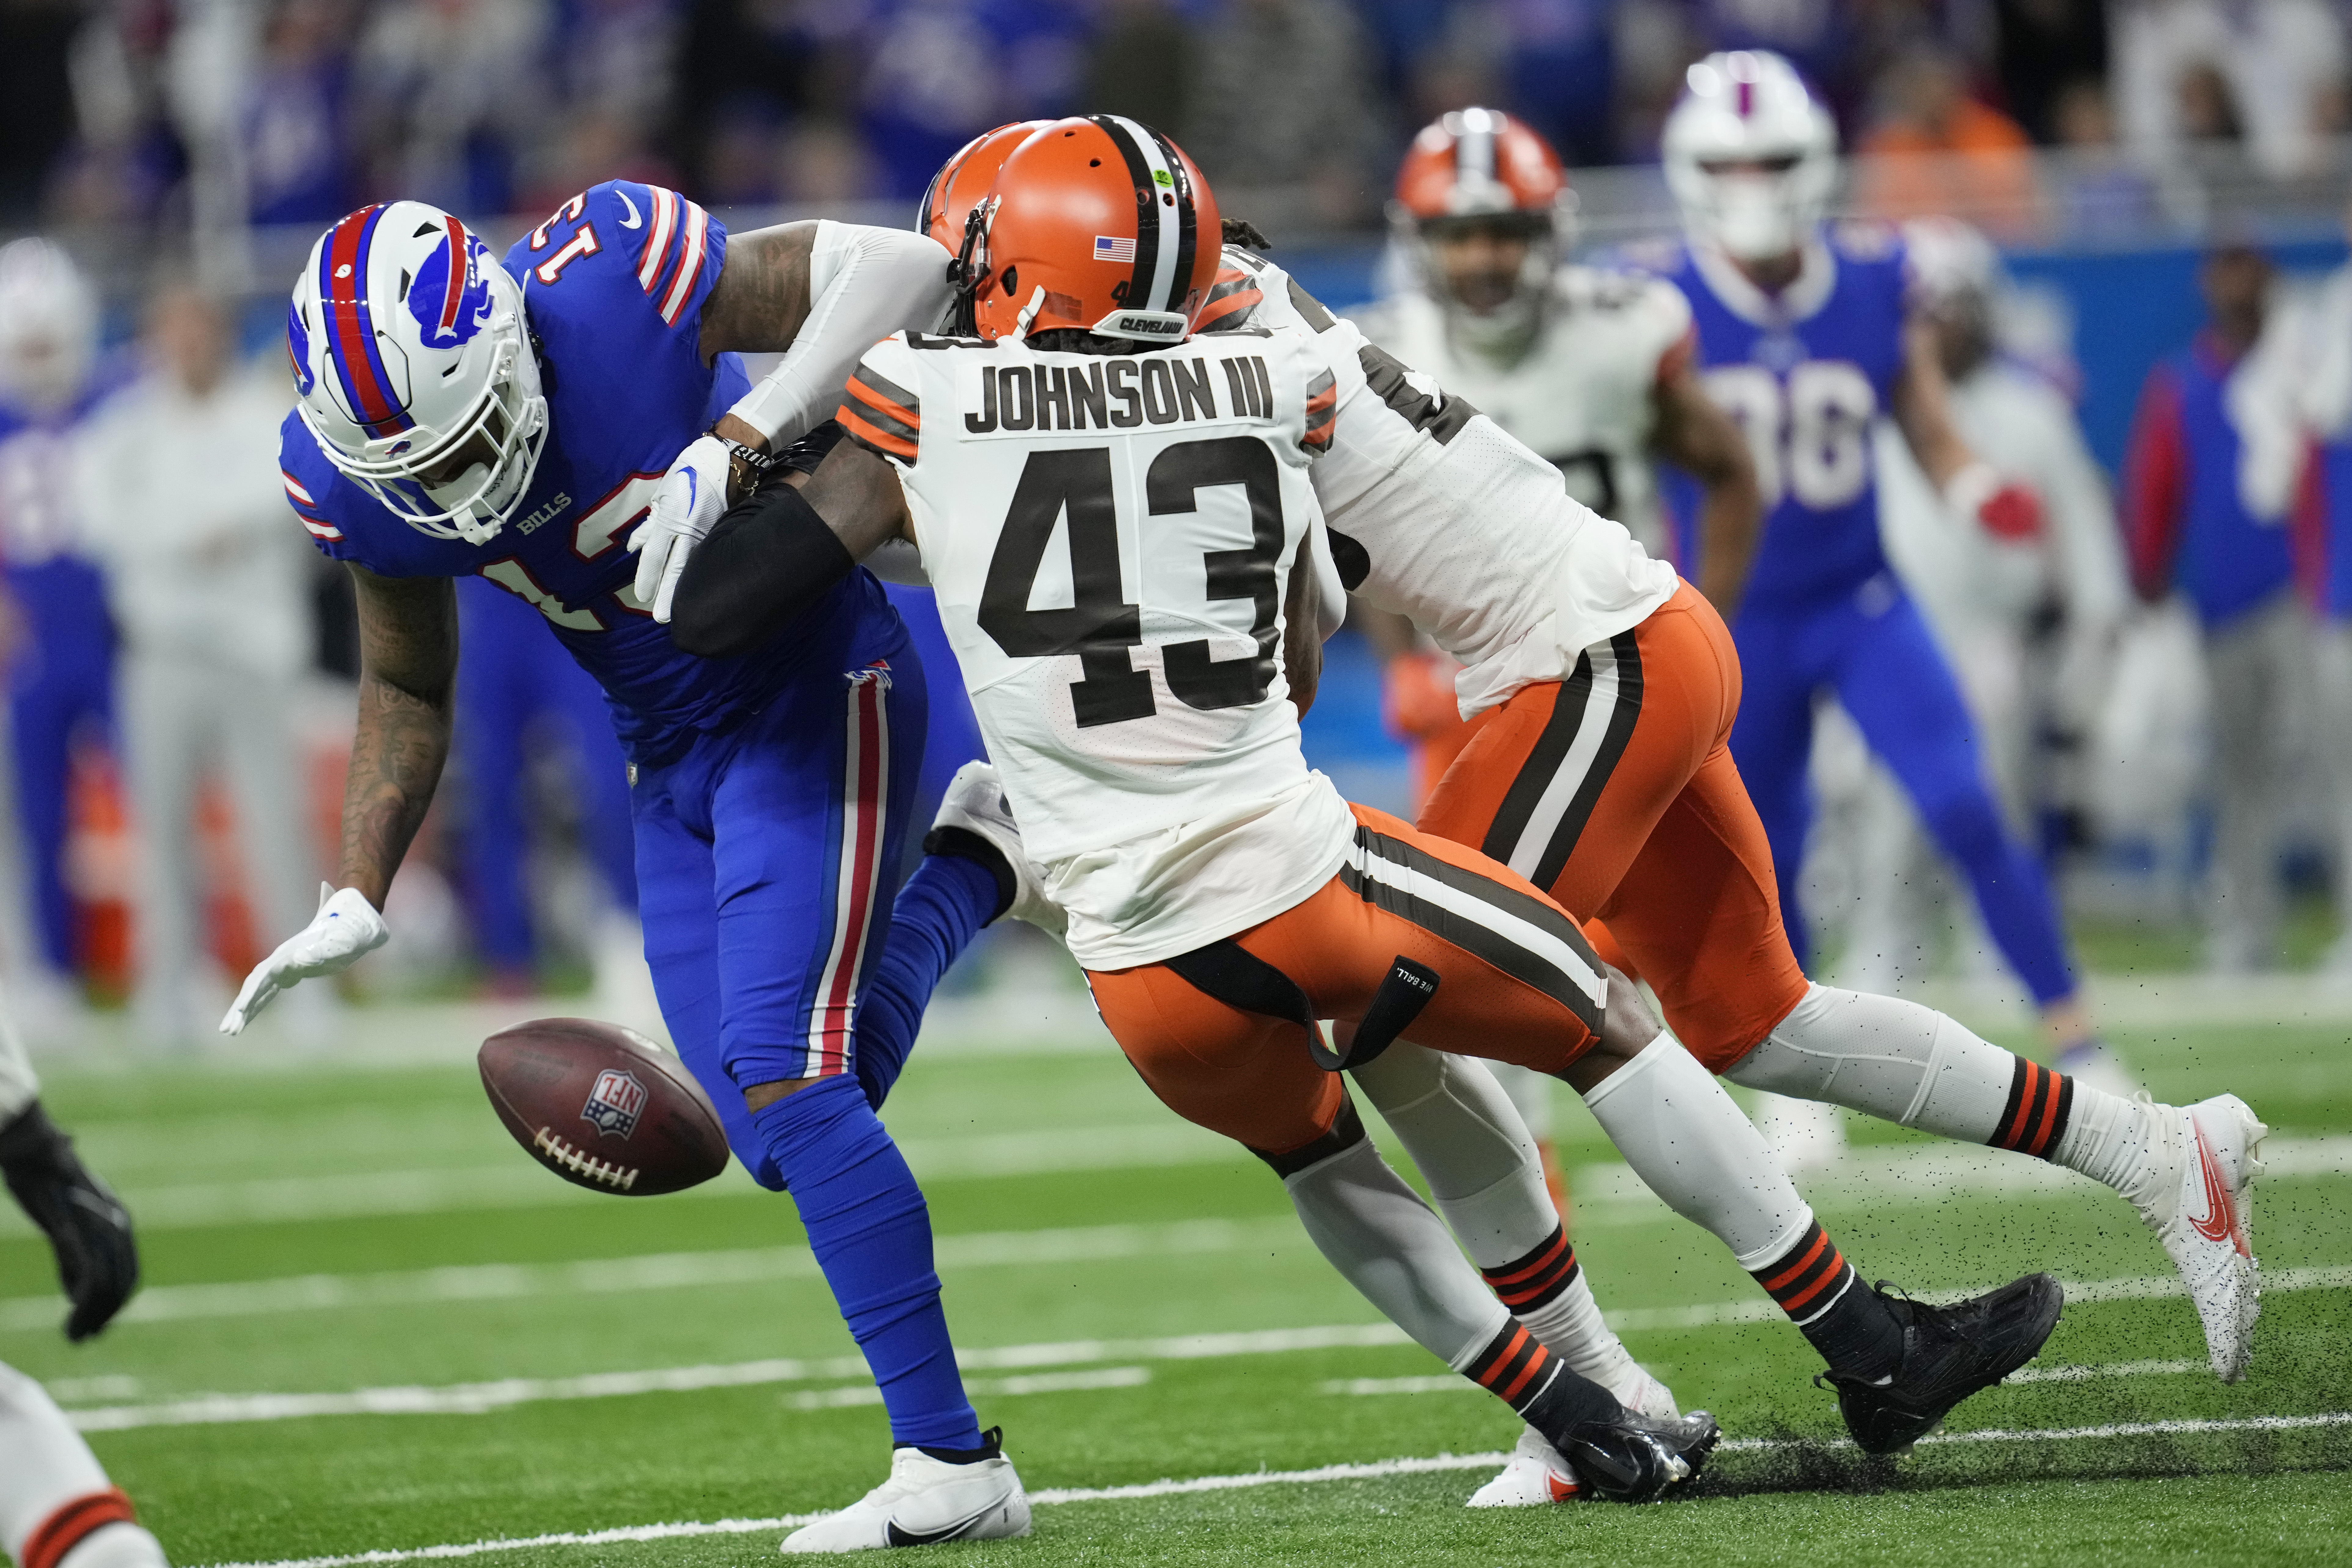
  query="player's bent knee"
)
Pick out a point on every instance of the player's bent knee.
point(1626, 1031)
point(1346, 1132)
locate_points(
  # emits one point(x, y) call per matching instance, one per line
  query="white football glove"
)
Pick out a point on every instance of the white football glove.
point(345, 927)
point(692, 497)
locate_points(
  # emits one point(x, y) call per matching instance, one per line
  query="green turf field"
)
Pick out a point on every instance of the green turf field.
point(372, 1324)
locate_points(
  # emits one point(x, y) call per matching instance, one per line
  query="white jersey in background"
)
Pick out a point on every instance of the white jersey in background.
point(1437, 513)
point(1110, 539)
point(1581, 394)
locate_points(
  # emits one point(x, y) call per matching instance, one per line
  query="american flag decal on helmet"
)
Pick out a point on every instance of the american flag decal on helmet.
point(1109, 248)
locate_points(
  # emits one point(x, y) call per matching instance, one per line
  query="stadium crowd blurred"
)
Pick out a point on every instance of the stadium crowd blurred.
point(295, 110)
point(2168, 692)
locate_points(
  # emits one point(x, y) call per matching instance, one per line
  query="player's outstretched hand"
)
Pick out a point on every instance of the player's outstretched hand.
point(345, 927)
point(692, 497)
point(86, 1224)
point(2003, 507)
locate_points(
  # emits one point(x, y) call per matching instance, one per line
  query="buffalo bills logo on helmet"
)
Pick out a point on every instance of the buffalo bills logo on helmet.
point(614, 1104)
point(298, 350)
point(450, 296)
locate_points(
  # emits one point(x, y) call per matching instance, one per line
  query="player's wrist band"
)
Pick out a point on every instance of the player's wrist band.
point(747, 466)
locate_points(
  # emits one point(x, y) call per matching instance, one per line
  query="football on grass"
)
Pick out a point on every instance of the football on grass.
point(603, 1106)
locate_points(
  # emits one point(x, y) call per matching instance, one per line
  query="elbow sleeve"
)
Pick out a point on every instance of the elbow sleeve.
point(767, 561)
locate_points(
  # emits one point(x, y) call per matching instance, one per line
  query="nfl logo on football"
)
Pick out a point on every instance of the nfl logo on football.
point(614, 1104)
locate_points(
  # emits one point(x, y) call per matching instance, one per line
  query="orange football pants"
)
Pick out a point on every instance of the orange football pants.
point(1512, 972)
point(1615, 791)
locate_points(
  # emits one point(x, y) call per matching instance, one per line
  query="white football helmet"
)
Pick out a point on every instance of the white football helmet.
point(1750, 155)
point(414, 367)
point(48, 326)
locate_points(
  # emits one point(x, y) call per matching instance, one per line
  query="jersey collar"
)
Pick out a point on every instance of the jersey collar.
point(1816, 278)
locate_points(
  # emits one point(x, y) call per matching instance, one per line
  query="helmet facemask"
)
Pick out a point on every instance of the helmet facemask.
point(1493, 316)
point(417, 474)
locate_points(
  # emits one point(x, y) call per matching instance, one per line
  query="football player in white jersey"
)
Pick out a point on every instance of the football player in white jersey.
point(1590, 367)
point(57, 1510)
point(1112, 511)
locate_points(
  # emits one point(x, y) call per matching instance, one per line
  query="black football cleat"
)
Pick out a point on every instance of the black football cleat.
point(1636, 1457)
point(98, 1262)
point(1948, 1353)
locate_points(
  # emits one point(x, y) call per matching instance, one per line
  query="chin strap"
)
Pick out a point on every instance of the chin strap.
point(1028, 314)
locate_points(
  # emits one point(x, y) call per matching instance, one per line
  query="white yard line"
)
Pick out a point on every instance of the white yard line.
point(1605, 1195)
point(1380, 1469)
point(856, 1394)
point(654, 1271)
point(479, 1398)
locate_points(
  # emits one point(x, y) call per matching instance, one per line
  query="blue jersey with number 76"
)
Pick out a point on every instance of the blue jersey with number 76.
point(613, 285)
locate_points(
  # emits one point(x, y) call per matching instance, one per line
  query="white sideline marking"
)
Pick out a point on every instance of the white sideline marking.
point(858, 1393)
point(479, 1398)
point(1374, 1471)
point(656, 1271)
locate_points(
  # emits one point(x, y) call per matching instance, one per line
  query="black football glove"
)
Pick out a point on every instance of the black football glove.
point(98, 1263)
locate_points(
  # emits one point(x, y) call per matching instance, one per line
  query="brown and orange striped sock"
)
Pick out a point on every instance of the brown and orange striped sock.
point(1814, 1283)
point(2041, 1103)
point(1529, 1283)
point(1515, 1368)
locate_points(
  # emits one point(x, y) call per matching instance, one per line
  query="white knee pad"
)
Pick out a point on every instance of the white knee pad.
point(1471, 1145)
point(1886, 1057)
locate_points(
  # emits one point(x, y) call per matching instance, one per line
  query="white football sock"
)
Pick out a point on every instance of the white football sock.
point(1689, 1144)
point(1377, 1232)
point(1466, 1134)
point(2108, 1138)
point(1474, 1150)
point(1897, 1061)
point(53, 1491)
point(19, 1086)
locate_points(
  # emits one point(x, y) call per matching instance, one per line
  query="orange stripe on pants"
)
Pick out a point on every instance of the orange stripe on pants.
point(1673, 857)
point(1250, 1077)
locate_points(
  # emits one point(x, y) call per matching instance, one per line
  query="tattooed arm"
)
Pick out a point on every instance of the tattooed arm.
point(408, 667)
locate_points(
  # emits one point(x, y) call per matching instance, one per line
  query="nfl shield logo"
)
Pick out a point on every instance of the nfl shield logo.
point(614, 1104)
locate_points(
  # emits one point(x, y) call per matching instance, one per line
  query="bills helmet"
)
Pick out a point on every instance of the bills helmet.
point(1479, 169)
point(48, 326)
point(1750, 155)
point(1096, 224)
point(414, 370)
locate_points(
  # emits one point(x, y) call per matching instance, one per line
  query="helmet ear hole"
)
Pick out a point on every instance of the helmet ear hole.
point(1011, 281)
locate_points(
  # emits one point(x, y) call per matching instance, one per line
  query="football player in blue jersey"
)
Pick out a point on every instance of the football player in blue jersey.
point(62, 674)
point(558, 425)
point(1806, 336)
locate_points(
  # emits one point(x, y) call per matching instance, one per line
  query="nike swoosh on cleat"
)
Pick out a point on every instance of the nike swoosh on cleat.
point(902, 1537)
point(2221, 1221)
point(1563, 1487)
point(632, 220)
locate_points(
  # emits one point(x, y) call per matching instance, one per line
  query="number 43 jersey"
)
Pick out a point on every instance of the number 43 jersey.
point(1806, 373)
point(1110, 539)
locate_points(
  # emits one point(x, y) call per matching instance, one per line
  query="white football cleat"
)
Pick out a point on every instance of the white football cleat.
point(926, 1500)
point(1535, 1474)
point(2199, 1189)
point(974, 801)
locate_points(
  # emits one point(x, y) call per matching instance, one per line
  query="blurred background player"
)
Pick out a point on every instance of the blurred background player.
point(1806, 334)
point(184, 509)
point(1591, 368)
point(61, 643)
point(522, 705)
point(2028, 624)
point(2205, 513)
point(57, 1510)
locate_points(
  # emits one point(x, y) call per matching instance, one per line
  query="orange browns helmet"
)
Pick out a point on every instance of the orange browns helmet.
point(1479, 163)
point(1101, 224)
point(960, 185)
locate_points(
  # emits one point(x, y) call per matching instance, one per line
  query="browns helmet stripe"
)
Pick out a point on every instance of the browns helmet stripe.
point(1156, 243)
point(1188, 238)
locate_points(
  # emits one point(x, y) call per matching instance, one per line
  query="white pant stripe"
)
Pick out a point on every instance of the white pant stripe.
point(1536, 941)
point(1591, 730)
